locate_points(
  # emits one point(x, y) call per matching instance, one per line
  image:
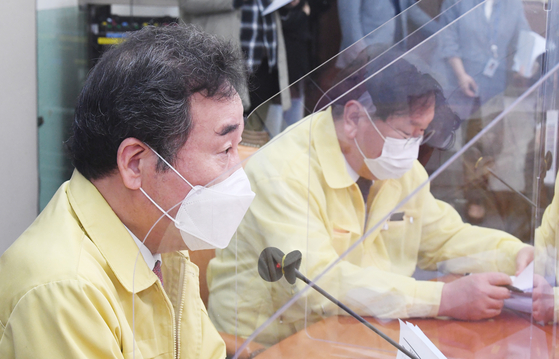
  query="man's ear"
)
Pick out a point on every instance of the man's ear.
point(132, 158)
point(352, 113)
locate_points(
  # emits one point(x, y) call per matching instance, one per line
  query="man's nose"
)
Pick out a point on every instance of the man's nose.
point(234, 159)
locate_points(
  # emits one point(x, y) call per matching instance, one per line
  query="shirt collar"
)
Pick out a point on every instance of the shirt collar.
point(350, 171)
point(103, 227)
point(149, 257)
point(330, 156)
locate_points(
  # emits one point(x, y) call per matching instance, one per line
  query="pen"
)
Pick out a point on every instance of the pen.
point(508, 286)
point(511, 288)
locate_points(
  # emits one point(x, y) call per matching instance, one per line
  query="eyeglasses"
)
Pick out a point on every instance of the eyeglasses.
point(410, 140)
point(413, 140)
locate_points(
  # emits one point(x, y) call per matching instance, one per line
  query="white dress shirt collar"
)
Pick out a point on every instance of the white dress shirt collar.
point(149, 257)
point(352, 174)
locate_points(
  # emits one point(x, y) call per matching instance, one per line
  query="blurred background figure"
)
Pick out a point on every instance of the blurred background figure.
point(277, 51)
point(218, 17)
point(478, 57)
point(297, 35)
point(358, 18)
point(478, 51)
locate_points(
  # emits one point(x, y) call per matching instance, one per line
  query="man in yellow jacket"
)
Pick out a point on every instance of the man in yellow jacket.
point(158, 119)
point(309, 199)
point(545, 305)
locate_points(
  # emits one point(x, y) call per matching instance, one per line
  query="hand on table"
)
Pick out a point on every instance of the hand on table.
point(474, 297)
point(543, 300)
point(524, 257)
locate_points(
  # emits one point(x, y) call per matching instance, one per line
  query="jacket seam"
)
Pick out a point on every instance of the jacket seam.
point(33, 289)
point(80, 253)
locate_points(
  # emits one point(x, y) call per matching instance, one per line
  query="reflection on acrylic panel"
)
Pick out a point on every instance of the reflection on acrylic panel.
point(389, 255)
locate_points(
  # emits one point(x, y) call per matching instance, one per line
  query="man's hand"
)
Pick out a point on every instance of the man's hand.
point(466, 82)
point(543, 300)
point(293, 3)
point(524, 257)
point(467, 85)
point(474, 297)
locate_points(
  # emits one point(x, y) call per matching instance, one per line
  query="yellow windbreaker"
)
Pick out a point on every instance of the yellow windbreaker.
point(306, 200)
point(66, 290)
point(546, 242)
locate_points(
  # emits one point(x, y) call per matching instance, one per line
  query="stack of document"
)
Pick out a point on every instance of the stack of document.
point(413, 340)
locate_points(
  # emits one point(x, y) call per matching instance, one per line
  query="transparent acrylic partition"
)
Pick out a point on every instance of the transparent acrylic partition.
point(435, 241)
point(403, 31)
point(545, 292)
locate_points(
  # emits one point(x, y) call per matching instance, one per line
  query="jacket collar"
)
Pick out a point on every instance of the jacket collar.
point(109, 234)
point(329, 153)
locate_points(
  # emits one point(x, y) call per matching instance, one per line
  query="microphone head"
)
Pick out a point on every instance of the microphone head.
point(291, 262)
point(548, 160)
point(482, 164)
point(270, 264)
point(546, 164)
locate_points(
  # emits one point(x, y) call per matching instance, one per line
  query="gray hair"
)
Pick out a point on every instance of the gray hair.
point(142, 89)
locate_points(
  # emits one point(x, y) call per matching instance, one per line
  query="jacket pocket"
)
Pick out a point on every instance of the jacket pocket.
point(340, 240)
point(401, 240)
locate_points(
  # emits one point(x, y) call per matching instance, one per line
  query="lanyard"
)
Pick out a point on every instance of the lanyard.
point(494, 21)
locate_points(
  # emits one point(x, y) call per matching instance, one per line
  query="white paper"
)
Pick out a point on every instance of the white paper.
point(530, 46)
point(274, 5)
point(525, 282)
point(416, 342)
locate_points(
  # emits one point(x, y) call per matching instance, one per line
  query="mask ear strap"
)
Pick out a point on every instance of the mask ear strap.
point(168, 164)
point(158, 207)
point(373, 123)
point(359, 148)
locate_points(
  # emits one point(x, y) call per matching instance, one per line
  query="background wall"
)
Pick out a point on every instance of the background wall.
point(61, 70)
point(18, 119)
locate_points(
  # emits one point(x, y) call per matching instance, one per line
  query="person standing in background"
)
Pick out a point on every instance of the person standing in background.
point(217, 17)
point(358, 18)
point(476, 52)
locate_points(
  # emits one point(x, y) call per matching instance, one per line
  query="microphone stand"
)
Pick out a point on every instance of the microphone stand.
point(273, 265)
point(512, 189)
point(353, 314)
point(482, 164)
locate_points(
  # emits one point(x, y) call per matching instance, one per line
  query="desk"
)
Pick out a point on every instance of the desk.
point(505, 336)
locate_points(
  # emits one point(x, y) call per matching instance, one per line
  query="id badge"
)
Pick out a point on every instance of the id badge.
point(491, 67)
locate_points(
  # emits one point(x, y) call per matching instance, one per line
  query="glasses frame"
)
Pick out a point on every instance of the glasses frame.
point(410, 139)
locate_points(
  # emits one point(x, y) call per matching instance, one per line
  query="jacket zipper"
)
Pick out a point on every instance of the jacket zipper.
point(179, 316)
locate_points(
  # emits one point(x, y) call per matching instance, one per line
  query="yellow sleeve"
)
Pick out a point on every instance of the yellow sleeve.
point(445, 236)
point(65, 319)
point(291, 217)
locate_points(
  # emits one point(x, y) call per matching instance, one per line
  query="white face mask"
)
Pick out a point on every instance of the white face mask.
point(209, 216)
point(397, 156)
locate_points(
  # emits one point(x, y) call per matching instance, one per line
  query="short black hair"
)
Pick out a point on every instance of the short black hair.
point(393, 88)
point(391, 81)
point(142, 89)
point(399, 86)
point(394, 85)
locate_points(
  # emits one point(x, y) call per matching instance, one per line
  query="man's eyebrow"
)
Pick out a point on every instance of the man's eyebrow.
point(227, 129)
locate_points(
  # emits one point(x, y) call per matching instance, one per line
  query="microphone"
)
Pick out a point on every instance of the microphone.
point(273, 265)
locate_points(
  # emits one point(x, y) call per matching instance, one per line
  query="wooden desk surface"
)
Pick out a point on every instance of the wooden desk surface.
point(510, 335)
